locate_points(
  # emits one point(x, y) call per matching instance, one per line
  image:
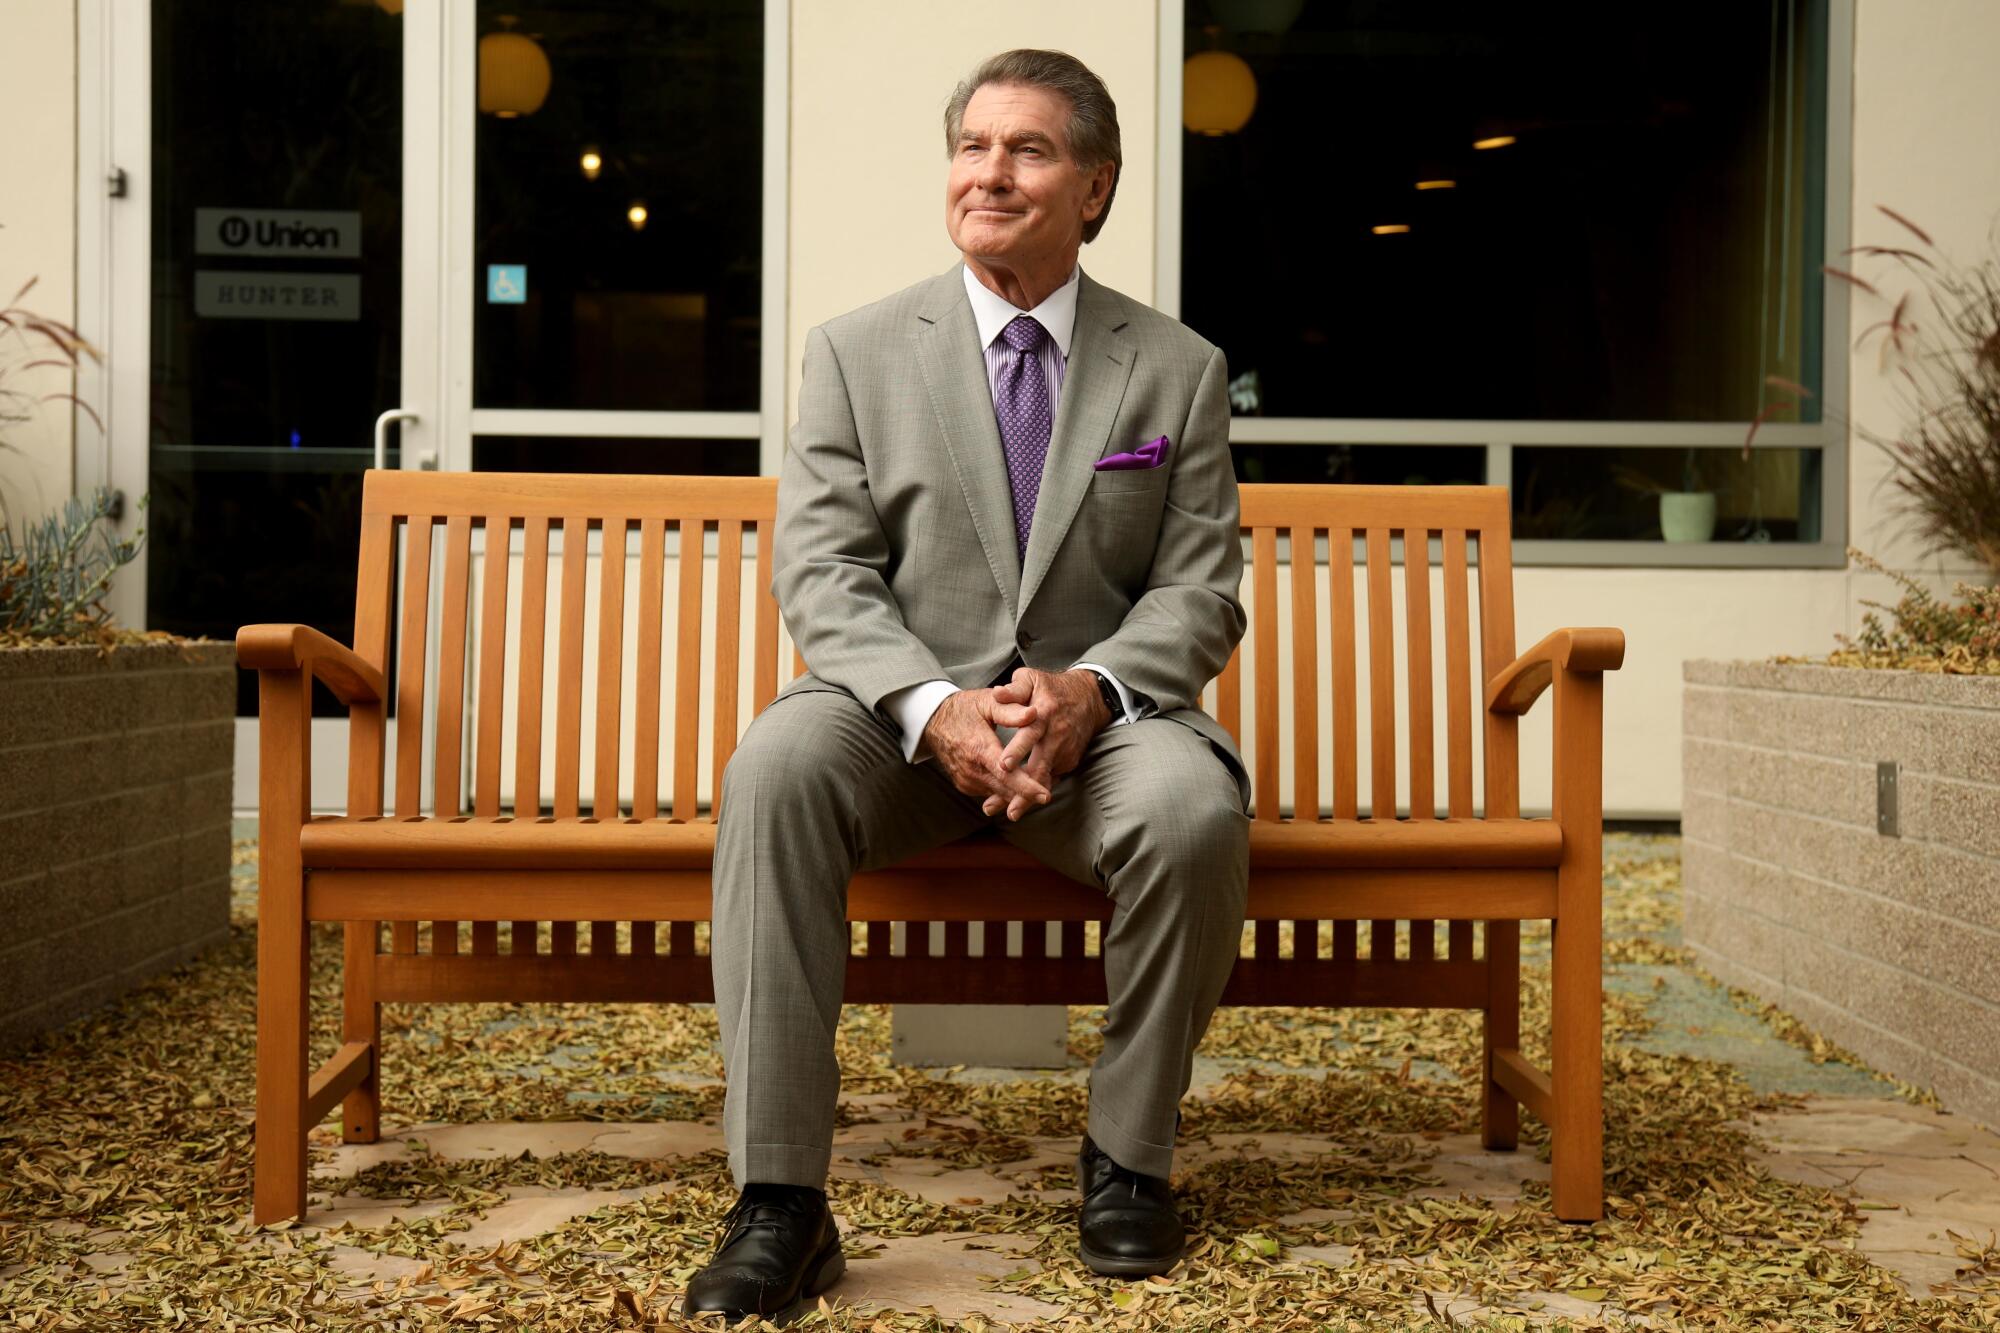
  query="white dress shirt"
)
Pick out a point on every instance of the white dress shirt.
point(913, 705)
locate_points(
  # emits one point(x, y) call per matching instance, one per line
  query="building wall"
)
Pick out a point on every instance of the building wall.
point(38, 231)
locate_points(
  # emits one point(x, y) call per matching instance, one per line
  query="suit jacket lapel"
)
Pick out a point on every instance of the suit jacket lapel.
point(954, 370)
point(1100, 366)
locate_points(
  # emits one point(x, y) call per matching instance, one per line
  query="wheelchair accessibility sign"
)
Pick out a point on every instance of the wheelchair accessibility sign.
point(506, 284)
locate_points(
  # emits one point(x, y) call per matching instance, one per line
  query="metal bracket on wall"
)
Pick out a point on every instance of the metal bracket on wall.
point(1885, 799)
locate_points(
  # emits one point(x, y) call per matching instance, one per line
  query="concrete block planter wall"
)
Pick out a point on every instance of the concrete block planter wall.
point(114, 821)
point(1884, 935)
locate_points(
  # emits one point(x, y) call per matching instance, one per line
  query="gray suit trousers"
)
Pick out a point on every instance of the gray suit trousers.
point(819, 790)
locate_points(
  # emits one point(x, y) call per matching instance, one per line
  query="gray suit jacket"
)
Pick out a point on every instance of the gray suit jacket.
point(896, 560)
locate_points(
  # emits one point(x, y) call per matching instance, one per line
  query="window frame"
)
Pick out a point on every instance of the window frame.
point(1501, 437)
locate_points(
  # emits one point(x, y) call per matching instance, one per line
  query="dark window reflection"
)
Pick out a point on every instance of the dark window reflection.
point(1647, 246)
point(656, 457)
point(1362, 464)
point(576, 307)
point(276, 299)
point(1648, 494)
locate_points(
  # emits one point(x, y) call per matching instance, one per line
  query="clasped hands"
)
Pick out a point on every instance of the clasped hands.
point(1054, 715)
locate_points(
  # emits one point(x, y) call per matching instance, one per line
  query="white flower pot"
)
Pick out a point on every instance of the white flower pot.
point(1687, 516)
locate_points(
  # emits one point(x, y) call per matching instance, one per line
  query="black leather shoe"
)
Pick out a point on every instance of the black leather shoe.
point(779, 1248)
point(1130, 1228)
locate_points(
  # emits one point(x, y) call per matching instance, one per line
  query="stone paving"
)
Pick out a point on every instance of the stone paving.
point(1919, 1175)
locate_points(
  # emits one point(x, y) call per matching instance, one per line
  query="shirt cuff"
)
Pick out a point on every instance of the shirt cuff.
point(1136, 705)
point(912, 707)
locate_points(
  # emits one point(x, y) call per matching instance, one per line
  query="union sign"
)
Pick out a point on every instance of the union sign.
point(292, 233)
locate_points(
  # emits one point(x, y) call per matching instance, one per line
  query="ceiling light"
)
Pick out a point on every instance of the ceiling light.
point(1437, 185)
point(636, 215)
point(1497, 141)
point(592, 164)
point(1391, 229)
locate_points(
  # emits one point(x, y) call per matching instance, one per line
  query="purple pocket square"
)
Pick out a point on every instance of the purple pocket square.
point(1150, 454)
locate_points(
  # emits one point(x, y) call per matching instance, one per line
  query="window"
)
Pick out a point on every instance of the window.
point(619, 229)
point(1586, 238)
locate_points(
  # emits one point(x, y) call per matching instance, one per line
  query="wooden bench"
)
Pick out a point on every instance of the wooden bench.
point(676, 654)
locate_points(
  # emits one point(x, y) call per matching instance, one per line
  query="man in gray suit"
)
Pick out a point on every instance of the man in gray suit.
point(1007, 547)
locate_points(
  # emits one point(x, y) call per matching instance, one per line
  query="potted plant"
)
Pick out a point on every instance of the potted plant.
point(116, 749)
point(1686, 514)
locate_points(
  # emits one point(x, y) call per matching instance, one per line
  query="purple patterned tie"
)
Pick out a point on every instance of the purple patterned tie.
point(1021, 402)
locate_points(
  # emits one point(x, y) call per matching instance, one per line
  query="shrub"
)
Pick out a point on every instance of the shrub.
point(1924, 632)
point(1947, 360)
point(28, 342)
point(54, 581)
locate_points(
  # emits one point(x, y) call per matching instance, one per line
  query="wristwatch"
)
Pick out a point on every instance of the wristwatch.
point(1112, 703)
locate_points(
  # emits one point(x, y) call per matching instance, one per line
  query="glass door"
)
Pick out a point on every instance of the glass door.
point(446, 234)
point(276, 258)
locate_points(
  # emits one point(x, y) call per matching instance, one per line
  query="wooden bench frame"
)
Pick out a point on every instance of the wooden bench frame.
point(647, 866)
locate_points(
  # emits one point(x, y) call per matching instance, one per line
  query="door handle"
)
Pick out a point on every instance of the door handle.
point(382, 432)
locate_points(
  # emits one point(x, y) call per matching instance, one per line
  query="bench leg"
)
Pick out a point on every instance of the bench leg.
point(1577, 1137)
point(1500, 1114)
point(1576, 1036)
point(361, 1020)
point(283, 947)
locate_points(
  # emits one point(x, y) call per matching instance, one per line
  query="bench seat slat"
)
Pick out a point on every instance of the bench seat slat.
point(583, 844)
point(907, 894)
point(885, 980)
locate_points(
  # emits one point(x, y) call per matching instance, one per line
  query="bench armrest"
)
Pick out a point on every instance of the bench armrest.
point(302, 648)
point(1519, 684)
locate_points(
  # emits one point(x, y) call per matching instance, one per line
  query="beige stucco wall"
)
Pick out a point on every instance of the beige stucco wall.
point(38, 229)
point(869, 84)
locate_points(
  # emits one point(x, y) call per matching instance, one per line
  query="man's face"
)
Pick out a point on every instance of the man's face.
point(1014, 196)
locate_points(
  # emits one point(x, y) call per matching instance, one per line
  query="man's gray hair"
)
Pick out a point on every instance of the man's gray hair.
point(1093, 116)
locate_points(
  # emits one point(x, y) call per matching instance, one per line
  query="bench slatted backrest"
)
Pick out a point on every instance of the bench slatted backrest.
point(431, 520)
point(1328, 623)
point(1342, 613)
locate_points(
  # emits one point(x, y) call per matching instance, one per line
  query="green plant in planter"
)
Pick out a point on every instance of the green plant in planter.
point(54, 579)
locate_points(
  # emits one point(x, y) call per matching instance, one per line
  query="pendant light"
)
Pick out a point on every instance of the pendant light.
point(513, 72)
point(1218, 92)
